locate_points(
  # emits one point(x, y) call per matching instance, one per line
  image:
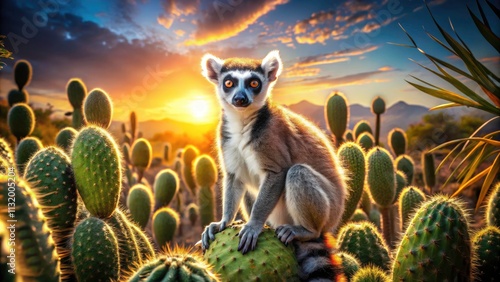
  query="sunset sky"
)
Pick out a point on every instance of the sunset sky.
point(146, 54)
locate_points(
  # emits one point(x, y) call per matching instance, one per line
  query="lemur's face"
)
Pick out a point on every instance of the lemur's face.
point(242, 83)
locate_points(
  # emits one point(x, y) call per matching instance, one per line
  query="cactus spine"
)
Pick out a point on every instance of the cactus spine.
point(429, 171)
point(189, 154)
point(76, 94)
point(98, 108)
point(141, 156)
point(22, 73)
point(166, 186)
point(21, 120)
point(397, 141)
point(378, 108)
point(370, 274)
point(353, 158)
point(409, 201)
point(382, 183)
point(140, 204)
point(206, 177)
point(360, 127)
point(97, 166)
point(64, 139)
point(436, 245)
point(493, 208)
point(25, 150)
point(405, 164)
point(95, 251)
point(36, 256)
point(487, 248)
point(365, 140)
point(337, 115)
point(165, 223)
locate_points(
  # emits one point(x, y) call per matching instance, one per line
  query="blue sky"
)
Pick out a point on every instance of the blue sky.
point(146, 53)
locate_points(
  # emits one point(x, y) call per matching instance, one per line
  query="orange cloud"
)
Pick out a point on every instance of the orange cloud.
point(222, 21)
point(176, 8)
point(301, 72)
point(180, 32)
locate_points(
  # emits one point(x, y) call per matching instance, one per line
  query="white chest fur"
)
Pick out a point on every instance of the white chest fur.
point(239, 156)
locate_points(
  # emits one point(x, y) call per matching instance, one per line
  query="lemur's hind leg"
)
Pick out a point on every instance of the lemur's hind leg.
point(307, 203)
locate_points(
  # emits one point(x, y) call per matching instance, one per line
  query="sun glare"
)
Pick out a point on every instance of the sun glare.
point(200, 109)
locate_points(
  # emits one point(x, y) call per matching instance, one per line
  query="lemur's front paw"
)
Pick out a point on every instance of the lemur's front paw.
point(210, 231)
point(286, 233)
point(248, 237)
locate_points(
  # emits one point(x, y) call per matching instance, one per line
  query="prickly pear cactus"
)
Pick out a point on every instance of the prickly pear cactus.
point(429, 171)
point(370, 274)
point(375, 217)
point(22, 73)
point(337, 115)
point(405, 164)
point(359, 215)
point(205, 178)
point(95, 251)
point(409, 201)
point(165, 223)
point(193, 212)
point(176, 265)
point(166, 186)
point(350, 265)
point(366, 141)
point(76, 94)
point(381, 177)
point(486, 245)
point(348, 136)
point(189, 154)
point(143, 242)
point(140, 204)
point(97, 166)
point(365, 243)
point(353, 158)
point(400, 184)
point(15, 97)
point(25, 150)
point(360, 127)
point(270, 261)
point(64, 139)
point(397, 141)
point(35, 252)
point(493, 208)
point(436, 245)
point(21, 120)
point(98, 108)
point(141, 155)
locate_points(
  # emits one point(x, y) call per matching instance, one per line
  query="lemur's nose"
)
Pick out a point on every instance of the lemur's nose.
point(240, 100)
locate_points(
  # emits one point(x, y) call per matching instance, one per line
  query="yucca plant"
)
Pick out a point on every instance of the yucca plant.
point(475, 149)
point(4, 53)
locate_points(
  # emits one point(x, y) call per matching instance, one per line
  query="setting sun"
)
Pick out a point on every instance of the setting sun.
point(199, 109)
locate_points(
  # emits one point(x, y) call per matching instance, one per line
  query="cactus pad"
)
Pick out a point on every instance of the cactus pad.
point(493, 208)
point(166, 186)
point(165, 224)
point(140, 204)
point(21, 120)
point(98, 108)
point(353, 158)
point(487, 248)
point(25, 150)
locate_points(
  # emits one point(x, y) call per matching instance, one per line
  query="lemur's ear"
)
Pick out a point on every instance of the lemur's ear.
point(211, 67)
point(272, 65)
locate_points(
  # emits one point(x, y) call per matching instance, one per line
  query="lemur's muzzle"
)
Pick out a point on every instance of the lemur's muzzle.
point(240, 99)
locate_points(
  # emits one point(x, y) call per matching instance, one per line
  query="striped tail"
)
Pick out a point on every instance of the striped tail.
point(317, 262)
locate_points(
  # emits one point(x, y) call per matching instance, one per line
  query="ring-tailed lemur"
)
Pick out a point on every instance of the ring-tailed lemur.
point(275, 159)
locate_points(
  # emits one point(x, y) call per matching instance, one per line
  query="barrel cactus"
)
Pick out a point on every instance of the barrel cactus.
point(189, 154)
point(165, 224)
point(140, 204)
point(360, 127)
point(493, 208)
point(486, 245)
point(409, 201)
point(270, 261)
point(205, 178)
point(97, 166)
point(166, 186)
point(436, 245)
point(64, 139)
point(141, 157)
point(405, 164)
point(378, 108)
point(76, 94)
point(337, 115)
point(21, 120)
point(98, 108)
point(365, 140)
point(397, 141)
point(353, 158)
point(25, 150)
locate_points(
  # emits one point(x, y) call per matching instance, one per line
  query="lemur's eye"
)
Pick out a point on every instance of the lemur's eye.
point(228, 83)
point(254, 84)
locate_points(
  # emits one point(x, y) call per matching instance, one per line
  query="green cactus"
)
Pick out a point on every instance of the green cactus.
point(128, 248)
point(166, 186)
point(126, 153)
point(378, 108)
point(98, 108)
point(193, 212)
point(64, 139)
point(127, 138)
point(405, 164)
point(129, 176)
point(360, 127)
point(397, 141)
point(25, 150)
point(401, 183)
point(365, 243)
point(21, 120)
point(382, 183)
point(436, 245)
point(409, 201)
point(133, 125)
point(76, 94)
point(143, 243)
point(140, 204)
point(205, 178)
point(17, 96)
point(486, 244)
point(374, 217)
point(97, 166)
point(6, 152)
point(189, 154)
point(370, 274)
point(429, 171)
point(177, 265)
point(270, 261)
point(366, 202)
point(359, 215)
point(365, 140)
point(165, 224)
point(141, 156)
point(22, 73)
point(337, 115)
point(353, 158)
point(124, 128)
point(493, 207)
point(35, 253)
point(348, 136)
point(95, 251)
point(167, 152)
point(350, 265)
